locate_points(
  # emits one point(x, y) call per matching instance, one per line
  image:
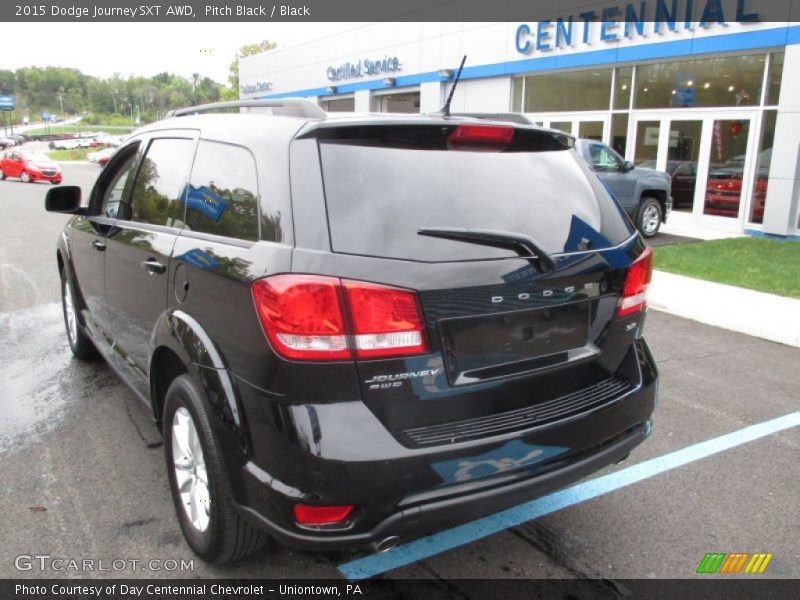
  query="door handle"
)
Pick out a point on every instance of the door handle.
point(153, 266)
point(98, 245)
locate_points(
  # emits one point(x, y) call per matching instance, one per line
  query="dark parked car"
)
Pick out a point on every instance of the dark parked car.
point(683, 174)
point(353, 330)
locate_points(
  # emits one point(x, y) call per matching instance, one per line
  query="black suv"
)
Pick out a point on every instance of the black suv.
point(354, 330)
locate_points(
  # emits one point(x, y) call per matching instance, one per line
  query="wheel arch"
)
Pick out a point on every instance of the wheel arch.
point(181, 345)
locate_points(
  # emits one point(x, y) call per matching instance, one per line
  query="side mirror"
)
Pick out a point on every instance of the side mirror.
point(64, 199)
point(627, 166)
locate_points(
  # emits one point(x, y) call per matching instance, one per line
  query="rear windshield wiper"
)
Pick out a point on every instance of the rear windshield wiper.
point(523, 245)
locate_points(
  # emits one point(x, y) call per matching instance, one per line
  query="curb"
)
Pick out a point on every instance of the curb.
point(767, 316)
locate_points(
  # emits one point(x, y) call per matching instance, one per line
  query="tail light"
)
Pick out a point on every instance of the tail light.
point(386, 321)
point(306, 514)
point(486, 137)
point(634, 293)
point(311, 317)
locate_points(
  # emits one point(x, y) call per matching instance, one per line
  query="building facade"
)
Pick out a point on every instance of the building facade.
point(712, 97)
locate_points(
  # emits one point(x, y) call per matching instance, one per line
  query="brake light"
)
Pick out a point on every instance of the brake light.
point(634, 293)
point(304, 318)
point(488, 136)
point(386, 321)
point(305, 514)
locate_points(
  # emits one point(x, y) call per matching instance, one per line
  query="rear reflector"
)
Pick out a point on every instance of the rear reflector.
point(634, 293)
point(305, 514)
point(495, 136)
point(304, 318)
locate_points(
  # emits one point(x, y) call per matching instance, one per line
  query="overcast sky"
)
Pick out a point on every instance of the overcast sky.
point(102, 49)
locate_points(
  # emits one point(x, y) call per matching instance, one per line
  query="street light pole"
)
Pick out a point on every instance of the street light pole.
point(61, 100)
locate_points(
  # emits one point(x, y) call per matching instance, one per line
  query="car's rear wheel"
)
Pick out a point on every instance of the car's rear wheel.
point(2, 175)
point(211, 525)
point(25, 177)
point(80, 345)
point(648, 219)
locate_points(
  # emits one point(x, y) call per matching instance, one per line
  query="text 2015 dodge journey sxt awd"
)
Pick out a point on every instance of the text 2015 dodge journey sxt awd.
point(356, 330)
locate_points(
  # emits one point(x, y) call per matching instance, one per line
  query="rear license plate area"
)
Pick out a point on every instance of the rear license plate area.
point(489, 346)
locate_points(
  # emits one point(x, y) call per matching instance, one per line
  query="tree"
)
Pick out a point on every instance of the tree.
point(232, 91)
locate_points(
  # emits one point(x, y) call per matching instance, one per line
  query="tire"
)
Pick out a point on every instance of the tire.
point(79, 343)
point(2, 175)
point(648, 217)
point(210, 524)
point(55, 182)
point(25, 177)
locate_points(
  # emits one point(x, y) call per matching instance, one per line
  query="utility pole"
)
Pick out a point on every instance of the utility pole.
point(61, 100)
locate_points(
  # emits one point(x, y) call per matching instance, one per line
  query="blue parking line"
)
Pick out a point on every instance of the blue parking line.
point(405, 554)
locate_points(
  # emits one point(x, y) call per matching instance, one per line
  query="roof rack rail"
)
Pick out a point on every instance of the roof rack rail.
point(285, 107)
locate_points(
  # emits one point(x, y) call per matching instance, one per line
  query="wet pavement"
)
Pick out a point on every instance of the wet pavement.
point(75, 442)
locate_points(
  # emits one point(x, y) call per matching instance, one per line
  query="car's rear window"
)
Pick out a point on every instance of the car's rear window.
point(378, 196)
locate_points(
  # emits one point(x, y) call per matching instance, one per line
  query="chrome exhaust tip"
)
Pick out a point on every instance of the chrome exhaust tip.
point(385, 544)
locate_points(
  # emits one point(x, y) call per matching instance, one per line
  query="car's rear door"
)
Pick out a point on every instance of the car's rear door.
point(140, 246)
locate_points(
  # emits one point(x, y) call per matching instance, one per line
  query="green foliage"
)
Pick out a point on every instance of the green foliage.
point(247, 50)
point(765, 265)
point(44, 89)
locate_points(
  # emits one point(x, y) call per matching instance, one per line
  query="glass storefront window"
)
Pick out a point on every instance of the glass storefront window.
point(591, 130)
point(516, 95)
point(619, 132)
point(726, 163)
point(622, 88)
point(574, 91)
point(775, 76)
point(647, 134)
point(565, 126)
point(722, 81)
point(339, 105)
point(683, 152)
point(763, 160)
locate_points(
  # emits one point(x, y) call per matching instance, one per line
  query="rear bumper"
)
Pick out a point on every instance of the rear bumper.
point(435, 515)
point(406, 492)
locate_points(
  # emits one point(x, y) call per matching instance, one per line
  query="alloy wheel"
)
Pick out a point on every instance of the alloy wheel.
point(191, 475)
point(70, 316)
point(650, 219)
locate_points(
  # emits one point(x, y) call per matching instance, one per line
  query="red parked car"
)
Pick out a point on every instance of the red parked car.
point(724, 192)
point(29, 167)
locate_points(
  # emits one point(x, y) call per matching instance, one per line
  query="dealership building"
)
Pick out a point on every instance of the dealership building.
point(712, 97)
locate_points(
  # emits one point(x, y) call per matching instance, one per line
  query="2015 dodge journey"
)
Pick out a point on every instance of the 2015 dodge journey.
point(354, 330)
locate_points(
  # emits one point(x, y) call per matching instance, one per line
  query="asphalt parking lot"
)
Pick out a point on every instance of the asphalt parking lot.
point(77, 443)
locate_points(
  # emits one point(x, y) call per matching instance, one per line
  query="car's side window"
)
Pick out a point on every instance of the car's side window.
point(115, 191)
point(223, 192)
point(157, 196)
point(603, 159)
